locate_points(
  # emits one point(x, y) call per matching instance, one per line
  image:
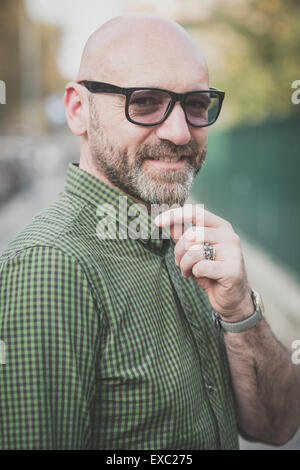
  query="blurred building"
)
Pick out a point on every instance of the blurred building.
point(28, 68)
point(188, 12)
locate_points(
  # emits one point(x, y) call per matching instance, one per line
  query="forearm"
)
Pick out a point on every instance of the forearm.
point(266, 384)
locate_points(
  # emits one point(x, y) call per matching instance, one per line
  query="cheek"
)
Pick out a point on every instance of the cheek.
point(129, 136)
point(200, 136)
point(123, 133)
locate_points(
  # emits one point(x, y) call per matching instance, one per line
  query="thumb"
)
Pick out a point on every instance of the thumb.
point(176, 231)
point(202, 282)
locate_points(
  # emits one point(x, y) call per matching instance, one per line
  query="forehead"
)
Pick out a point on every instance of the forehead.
point(180, 76)
point(161, 60)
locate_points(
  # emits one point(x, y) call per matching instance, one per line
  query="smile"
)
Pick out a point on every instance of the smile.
point(168, 163)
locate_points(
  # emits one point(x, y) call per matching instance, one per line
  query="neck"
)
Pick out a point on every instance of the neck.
point(87, 165)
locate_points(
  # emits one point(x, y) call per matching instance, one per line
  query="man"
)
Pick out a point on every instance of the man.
point(110, 340)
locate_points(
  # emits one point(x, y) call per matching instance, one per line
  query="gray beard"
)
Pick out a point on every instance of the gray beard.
point(173, 188)
point(167, 187)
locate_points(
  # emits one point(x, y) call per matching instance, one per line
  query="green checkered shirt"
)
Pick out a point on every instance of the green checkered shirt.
point(107, 346)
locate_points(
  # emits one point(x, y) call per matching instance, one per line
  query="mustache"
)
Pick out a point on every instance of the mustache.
point(167, 149)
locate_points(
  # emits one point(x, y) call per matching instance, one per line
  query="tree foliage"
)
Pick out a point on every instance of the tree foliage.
point(253, 49)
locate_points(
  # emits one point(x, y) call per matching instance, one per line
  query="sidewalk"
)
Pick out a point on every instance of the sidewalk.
point(280, 290)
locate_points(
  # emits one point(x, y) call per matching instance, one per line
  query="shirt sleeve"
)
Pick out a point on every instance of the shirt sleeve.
point(49, 332)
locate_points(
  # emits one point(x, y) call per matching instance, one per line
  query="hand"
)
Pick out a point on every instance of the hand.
point(224, 279)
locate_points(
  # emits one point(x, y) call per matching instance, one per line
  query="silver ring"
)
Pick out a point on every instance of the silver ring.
point(209, 251)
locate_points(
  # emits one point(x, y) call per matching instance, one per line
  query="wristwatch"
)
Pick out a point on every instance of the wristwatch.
point(236, 327)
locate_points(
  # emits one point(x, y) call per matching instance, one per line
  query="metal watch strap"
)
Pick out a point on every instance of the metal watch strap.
point(236, 327)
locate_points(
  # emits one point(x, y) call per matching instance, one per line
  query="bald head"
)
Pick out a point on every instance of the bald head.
point(143, 50)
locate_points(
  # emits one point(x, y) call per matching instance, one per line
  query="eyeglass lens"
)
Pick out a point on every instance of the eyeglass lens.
point(150, 106)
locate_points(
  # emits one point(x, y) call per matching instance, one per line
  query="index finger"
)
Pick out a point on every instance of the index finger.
point(194, 213)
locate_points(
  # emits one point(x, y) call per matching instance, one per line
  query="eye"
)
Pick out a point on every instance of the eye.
point(148, 102)
point(198, 103)
point(145, 101)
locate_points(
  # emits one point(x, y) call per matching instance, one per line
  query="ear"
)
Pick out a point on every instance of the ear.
point(76, 108)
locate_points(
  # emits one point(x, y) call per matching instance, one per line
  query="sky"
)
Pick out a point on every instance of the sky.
point(78, 19)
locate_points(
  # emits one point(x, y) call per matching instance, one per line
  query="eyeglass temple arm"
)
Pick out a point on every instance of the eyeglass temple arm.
point(101, 87)
point(222, 93)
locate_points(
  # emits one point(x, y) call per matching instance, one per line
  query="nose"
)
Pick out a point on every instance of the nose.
point(175, 128)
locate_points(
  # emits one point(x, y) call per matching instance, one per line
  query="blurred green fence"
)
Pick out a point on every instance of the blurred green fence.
point(251, 178)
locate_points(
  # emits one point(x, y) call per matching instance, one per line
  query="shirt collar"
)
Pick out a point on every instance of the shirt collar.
point(127, 211)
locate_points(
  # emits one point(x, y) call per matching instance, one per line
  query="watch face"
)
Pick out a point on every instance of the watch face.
point(257, 301)
point(262, 308)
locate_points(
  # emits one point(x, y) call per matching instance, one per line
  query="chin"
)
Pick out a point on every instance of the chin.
point(168, 199)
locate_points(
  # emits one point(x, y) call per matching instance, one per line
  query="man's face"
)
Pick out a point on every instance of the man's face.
point(133, 157)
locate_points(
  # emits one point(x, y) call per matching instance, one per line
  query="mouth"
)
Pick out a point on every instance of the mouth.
point(168, 162)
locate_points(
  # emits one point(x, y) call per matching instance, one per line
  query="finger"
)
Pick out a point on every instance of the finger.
point(193, 235)
point(191, 257)
point(194, 213)
point(199, 235)
point(223, 252)
point(209, 269)
point(228, 273)
point(176, 231)
point(203, 282)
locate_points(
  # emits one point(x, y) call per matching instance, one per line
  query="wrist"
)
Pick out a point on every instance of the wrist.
point(244, 321)
point(245, 310)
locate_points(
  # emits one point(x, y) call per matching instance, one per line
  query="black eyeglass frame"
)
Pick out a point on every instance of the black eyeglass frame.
point(102, 87)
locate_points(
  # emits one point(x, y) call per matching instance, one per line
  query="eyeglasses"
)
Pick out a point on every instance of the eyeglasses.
point(151, 106)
